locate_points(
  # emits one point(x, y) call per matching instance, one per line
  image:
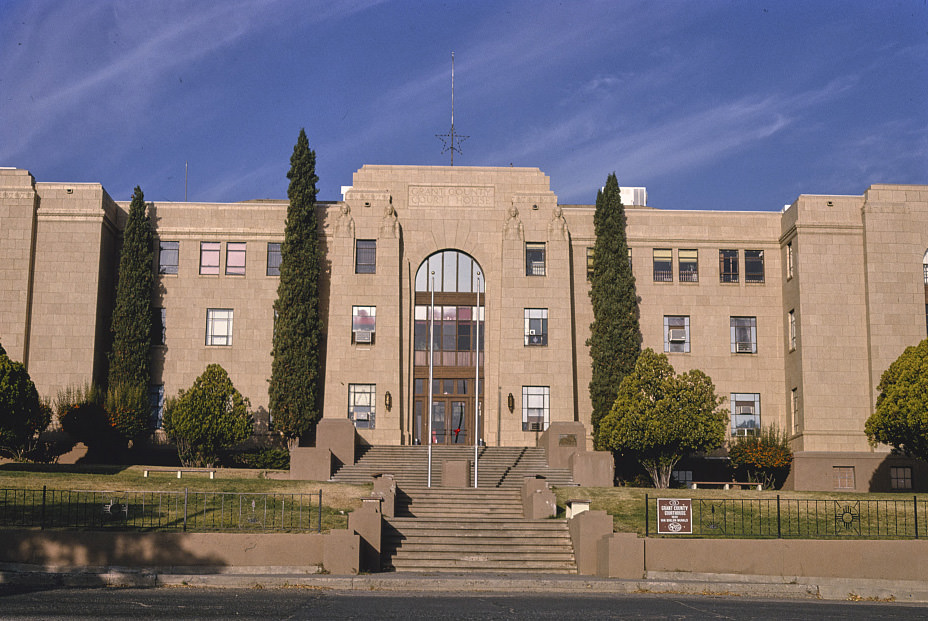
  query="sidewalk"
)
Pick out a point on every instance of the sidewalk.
point(292, 577)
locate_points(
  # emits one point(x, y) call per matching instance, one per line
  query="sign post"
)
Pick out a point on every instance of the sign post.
point(674, 516)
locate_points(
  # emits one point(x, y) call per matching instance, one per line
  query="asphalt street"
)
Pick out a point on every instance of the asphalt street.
point(25, 602)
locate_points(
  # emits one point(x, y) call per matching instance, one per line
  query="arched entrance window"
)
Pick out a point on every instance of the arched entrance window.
point(456, 321)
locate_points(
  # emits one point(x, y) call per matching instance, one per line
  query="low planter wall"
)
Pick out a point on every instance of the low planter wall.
point(624, 555)
point(158, 550)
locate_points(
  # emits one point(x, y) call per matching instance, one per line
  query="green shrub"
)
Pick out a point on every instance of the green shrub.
point(265, 458)
point(765, 458)
point(82, 414)
point(22, 415)
point(128, 410)
point(208, 418)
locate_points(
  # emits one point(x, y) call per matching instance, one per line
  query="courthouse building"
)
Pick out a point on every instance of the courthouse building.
point(794, 314)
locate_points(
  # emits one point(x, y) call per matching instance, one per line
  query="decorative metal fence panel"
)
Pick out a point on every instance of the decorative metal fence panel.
point(800, 518)
point(181, 510)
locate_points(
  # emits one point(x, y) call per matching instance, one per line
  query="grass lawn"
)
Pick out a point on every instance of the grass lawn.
point(337, 499)
point(626, 505)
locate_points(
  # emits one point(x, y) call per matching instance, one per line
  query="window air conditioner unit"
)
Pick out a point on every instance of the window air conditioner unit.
point(531, 333)
point(535, 426)
point(744, 348)
point(678, 336)
point(363, 336)
point(744, 410)
point(362, 416)
point(744, 432)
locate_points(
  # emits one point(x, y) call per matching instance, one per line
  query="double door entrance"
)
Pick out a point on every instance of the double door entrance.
point(452, 411)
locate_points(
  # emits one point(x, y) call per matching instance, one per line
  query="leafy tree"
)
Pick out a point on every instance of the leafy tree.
point(295, 386)
point(129, 359)
point(206, 419)
point(901, 416)
point(22, 414)
point(660, 416)
point(764, 458)
point(615, 336)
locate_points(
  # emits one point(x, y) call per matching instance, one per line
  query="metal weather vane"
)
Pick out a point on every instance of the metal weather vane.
point(451, 141)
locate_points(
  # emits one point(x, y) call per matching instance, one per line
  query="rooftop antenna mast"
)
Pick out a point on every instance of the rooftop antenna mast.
point(450, 141)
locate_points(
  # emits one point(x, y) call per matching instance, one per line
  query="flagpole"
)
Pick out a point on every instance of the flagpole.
point(477, 384)
point(431, 354)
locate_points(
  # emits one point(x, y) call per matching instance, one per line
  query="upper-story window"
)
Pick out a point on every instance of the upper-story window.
point(728, 266)
point(744, 335)
point(689, 265)
point(219, 326)
point(450, 271)
point(273, 259)
point(536, 326)
point(365, 256)
point(793, 331)
point(209, 257)
point(168, 254)
point(745, 413)
point(363, 324)
point(235, 258)
point(589, 263)
point(663, 265)
point(754, 266)
point(534, 258)
point(676, 334)
point(790, 259)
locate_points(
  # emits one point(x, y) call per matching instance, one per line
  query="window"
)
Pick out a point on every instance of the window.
point(677, 334)
point(900, 477)
point(235, 258)
point(663, 265)
point(454, 272)
point(629, 258)
point(536, 326)
point(745, 413)
point(534, 259)
point(754, 266)
point(365, 258)
point(209, 257)
point(535, 408)
point(689, 266)
point(792, 330)
point(589, 263)
point(728, 266)
point(794, 406)
point(453, 338)
point(156, 406)
point(219, 326)
point(273, 259)
point(682, 478)
point(844, 477)
point(362, 399)
point(744, 335)
point(168, 252)
point(363, 324)
point(158, 317)
point(789, 260)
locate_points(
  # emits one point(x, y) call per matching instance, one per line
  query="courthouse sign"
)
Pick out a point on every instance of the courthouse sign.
point(674, 516)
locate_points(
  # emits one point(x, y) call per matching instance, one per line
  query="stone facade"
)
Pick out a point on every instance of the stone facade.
point(795, 314)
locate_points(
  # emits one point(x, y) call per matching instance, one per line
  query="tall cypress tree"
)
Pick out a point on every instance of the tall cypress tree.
point(129, 359)
point(615, 335)
point(295, 386)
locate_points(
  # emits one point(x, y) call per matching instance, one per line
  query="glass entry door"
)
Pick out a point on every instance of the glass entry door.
point(452, 412)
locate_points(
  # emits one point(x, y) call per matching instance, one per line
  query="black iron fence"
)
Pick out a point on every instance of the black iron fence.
point(797, 518)
point(181, 510)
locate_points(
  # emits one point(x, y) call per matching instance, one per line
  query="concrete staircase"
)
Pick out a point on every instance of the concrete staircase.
point(497, 466)
point(468, 530)
point(445, 529)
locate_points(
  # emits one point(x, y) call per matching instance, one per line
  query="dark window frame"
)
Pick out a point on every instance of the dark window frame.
point(365, 256)
point(728, 266)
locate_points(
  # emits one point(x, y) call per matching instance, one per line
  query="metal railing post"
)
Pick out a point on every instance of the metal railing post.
point(320, 510)
point(779, 532)
point(45, 489)
point(185, 509)
point(647, 520)
point(915, 503)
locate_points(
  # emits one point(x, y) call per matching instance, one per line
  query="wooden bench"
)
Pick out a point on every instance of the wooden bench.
point(210, 471)
point(725, 484)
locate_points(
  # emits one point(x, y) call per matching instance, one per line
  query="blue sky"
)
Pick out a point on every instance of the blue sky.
point(736, 105)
